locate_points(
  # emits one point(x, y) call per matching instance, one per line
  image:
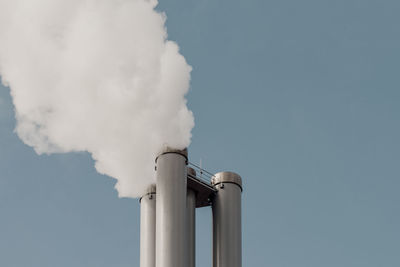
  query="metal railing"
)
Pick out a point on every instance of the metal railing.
point(202, 174)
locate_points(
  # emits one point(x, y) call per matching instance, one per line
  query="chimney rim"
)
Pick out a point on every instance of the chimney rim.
point(227, 177)
point(169, 150)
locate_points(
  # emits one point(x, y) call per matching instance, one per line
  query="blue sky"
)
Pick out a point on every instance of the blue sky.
point(299, 97)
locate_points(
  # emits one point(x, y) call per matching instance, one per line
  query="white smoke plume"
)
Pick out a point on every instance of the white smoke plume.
point(97, 76)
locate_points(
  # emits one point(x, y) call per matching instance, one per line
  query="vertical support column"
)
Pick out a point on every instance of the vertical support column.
point(227, 220)
point(148, 228)
point(171, 208)
point(191, 224)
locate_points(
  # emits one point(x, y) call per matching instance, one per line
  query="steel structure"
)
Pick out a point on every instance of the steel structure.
point(171, 193)
point(191, 224)
point(168, 214)
point(148, 228)
point(227, 220)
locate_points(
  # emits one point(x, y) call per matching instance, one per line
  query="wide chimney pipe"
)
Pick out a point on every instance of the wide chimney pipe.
point(171, 194)
point(191, 224)
point(148, 228)
point(227, 220)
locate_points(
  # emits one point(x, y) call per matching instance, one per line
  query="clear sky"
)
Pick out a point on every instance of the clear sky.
point(299, 97)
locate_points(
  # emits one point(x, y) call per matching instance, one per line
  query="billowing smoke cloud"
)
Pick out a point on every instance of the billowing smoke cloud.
point(97, 76)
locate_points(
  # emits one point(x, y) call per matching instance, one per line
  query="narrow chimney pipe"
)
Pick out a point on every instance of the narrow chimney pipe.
point(148, 228)
point(171, 194)
point(191, 224)
point(227, 220)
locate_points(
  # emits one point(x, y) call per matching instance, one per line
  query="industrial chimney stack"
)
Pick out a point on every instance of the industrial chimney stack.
point(168, 214)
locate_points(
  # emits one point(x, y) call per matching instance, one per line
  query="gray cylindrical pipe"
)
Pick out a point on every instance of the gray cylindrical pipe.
point(227, 220)
point(191, 225)
point(148, 228)
point(171, 208)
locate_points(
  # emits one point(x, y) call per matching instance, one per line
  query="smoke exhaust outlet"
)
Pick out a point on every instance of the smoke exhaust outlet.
point(148, 228)
point(227, 220)
point(171, 195)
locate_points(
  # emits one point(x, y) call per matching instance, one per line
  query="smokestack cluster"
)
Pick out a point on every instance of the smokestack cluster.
point(168, 214)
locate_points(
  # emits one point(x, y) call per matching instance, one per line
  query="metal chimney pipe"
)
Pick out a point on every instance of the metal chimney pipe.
point(191, 224)
point(227, 220)
point(148, 228)
point(171, 208)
